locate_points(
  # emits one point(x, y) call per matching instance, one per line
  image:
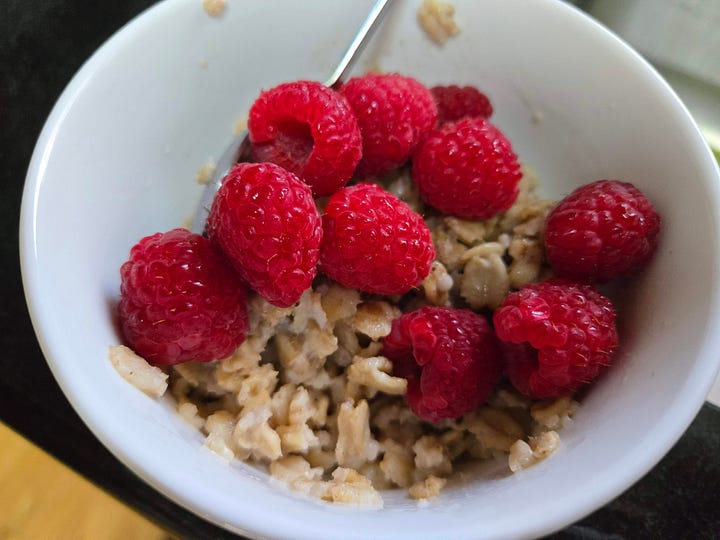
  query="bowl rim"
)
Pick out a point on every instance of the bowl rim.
point(665, 436)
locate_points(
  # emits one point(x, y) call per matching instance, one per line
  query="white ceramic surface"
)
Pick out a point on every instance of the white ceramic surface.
point(714, 395)
point(117, 159)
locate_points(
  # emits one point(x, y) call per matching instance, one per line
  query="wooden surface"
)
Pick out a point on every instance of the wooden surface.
point(41, 498)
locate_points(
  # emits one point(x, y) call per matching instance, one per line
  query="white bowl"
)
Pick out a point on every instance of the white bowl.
point(117, 158)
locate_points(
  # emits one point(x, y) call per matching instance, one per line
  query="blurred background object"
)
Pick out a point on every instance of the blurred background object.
point(681, 38)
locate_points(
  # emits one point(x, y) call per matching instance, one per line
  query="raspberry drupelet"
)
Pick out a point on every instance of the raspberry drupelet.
point(308, 129)
point(394, 113)
point(265, 220)
point(457, 102)
point(467, 169)
point(180, 300)
point(601, 231)
point(449, 357)
point(556, 336)
point(374, 242)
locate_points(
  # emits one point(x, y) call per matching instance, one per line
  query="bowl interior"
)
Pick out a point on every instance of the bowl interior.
point(117, 161)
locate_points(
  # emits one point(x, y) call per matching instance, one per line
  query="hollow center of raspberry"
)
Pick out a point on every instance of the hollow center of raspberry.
point(405, 366)
point(291, 147)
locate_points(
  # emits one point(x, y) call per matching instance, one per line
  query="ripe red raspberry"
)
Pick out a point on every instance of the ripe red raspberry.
point(265, 220)
point(181, 300)
point(394, 114)
point(601, 231)
point(556, 336)
point(449, 357)
point(374, 242)
point(457, 102)
point(308, 129)
point(467, 169)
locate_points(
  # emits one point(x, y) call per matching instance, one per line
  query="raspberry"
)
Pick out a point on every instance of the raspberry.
point(374, 242)
point(558, 336)
point(603, 230)
point(309, 130)
point(449, 357)
point(457, 102)
point(467, 169)
point(180, 300)
point(394, 114)
point(265, 220)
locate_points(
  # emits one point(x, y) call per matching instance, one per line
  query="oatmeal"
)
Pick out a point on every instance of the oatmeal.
point(214, 7)
point(382, 321)
point(437, 19)
point(239, 126)
point(135, 370)
point(204, 173)
point(310, 395)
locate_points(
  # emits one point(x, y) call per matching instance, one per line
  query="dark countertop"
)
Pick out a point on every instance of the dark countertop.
point(42, 44)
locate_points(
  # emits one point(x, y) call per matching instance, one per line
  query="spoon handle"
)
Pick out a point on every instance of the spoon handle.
point(370, 23)
point(238, 151)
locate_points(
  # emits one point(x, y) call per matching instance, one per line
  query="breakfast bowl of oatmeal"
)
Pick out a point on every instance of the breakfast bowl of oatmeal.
point(468, 292)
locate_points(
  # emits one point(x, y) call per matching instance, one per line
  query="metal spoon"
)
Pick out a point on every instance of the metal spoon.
point(239, 149)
